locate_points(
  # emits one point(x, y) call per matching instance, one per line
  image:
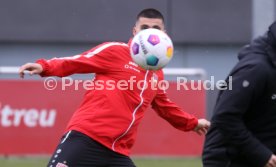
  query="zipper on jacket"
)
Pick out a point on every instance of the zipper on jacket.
point(134, 112)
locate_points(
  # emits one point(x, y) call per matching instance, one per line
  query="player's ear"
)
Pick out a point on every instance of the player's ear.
point(134, 32)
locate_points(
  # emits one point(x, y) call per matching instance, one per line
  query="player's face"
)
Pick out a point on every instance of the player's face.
point(145, 23)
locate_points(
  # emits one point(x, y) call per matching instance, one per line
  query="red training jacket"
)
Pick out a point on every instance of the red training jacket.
point(112, 110)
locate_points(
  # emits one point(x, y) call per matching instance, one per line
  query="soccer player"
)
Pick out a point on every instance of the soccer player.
point(243, 130)
point(103, 129)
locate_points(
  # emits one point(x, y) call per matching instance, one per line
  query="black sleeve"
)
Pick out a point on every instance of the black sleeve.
point(248, 83)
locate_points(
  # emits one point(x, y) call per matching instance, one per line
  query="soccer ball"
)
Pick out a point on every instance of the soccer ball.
point(151, 49)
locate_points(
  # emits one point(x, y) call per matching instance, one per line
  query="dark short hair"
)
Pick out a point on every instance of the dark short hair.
point(151, 13)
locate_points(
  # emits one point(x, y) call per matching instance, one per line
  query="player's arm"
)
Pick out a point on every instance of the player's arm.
point(176, 116)
point(96, 60)
point(248, 83)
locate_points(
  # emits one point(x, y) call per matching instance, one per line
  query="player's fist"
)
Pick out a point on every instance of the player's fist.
point(271, 162)
point(202, 126)
point(33, 68)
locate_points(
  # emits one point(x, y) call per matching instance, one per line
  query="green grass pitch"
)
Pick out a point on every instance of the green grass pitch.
point(140, 162)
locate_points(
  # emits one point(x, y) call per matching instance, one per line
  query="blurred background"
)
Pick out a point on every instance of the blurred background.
point(206, 34)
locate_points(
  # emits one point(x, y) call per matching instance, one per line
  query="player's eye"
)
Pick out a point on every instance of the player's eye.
point(143, 27)
point(157, 27)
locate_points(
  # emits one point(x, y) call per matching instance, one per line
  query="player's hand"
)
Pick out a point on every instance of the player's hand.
point(33, 68)
point(271, 162)
point(202, 126)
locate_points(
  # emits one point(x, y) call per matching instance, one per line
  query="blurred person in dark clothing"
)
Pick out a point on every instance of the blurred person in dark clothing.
point(243, 126)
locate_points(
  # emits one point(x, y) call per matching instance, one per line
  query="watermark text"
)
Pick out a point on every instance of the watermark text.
point(182, 83)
